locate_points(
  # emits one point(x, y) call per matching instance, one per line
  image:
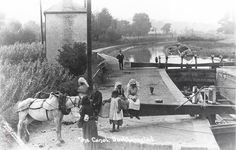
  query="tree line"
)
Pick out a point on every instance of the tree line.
point(106, 28)
point(15, 31)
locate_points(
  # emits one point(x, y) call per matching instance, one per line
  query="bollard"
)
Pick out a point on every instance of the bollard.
point(151, 90)
point(156, 59)
point(195, 56)
point(166, 62)
point(182, 60)
point(212, 59)
point(159, 61)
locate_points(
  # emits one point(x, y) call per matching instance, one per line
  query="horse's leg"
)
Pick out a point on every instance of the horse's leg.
point(60, 123)
point(57, 119)
point(27, 121)
point(22, 116)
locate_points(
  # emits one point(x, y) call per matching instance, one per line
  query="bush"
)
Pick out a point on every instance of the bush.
point(74, 58)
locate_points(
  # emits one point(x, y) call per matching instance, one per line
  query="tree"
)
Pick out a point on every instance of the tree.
point(227, 25)
point(14, 32)
point(100, 23)
point(166, 28)
point(2, 19)
point(141, 24)
point(31, 32)
point(74, 58)
point(124, 27)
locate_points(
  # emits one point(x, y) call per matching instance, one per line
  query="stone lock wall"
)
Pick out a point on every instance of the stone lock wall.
point(64, 29)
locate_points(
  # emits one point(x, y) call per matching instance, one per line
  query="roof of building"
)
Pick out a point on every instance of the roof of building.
point(66, 6)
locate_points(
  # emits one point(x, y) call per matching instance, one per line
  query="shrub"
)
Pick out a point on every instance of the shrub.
point(14, 54)
point(74, 58)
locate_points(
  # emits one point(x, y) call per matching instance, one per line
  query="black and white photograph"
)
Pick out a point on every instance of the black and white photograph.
point(117, 75)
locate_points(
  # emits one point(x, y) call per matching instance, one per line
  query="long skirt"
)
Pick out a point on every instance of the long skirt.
point(89, 132)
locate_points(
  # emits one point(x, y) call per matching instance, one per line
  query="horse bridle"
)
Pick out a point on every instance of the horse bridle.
point(73, 103)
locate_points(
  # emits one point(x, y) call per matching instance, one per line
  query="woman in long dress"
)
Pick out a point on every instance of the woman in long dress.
point(132, 96)
point(87, 118)
point(89, 127)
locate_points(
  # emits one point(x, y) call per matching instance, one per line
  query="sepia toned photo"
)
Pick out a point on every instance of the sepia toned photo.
point(117, 75)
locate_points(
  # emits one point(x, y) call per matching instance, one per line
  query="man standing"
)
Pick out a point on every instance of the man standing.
point(120, 58)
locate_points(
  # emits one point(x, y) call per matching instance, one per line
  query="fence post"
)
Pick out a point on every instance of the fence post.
point(160, 61)
point(195, 56)
point(166, 62)
point(212, 59)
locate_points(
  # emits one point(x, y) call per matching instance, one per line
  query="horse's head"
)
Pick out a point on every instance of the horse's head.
point(62, 99)
point(72, 101)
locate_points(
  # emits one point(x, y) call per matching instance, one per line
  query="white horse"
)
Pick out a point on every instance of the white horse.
point(48, 109)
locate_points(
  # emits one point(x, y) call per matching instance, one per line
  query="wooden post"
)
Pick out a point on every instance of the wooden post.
point(182, 60)
point(41, 28)
point(212, 59)
point(89, 46)
point(195, 56)
point(166, 62)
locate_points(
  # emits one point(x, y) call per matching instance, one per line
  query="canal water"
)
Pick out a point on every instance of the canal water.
point(149, 53)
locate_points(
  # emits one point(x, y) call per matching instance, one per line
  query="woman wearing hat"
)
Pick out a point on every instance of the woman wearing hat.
point(134, 102)
point(82, 87)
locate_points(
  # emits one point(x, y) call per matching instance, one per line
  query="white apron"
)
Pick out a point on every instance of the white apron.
point(134, 105)
point(113, 115)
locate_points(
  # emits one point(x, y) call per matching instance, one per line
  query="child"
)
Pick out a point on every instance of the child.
point(116, 113)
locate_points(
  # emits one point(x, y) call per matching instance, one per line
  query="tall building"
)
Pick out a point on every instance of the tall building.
point(66, 23)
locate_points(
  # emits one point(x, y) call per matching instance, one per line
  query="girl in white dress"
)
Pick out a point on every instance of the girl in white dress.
point(116, 113)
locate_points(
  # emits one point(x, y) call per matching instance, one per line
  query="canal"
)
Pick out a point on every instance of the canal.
point(147, 54)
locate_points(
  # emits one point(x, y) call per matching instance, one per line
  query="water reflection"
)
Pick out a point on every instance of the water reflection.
point(131, 58)
point(148, 54)
point(138, 54)
point(156, 52)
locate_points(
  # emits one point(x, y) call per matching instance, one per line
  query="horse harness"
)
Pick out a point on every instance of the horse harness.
point(41, 106)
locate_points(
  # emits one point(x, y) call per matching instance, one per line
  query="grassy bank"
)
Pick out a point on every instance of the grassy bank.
point(208, 48)
point(132, 41)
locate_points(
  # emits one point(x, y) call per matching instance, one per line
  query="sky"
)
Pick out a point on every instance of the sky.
point(201, 11)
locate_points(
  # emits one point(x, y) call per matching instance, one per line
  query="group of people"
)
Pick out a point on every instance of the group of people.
point(120, 104)
point(91, 103)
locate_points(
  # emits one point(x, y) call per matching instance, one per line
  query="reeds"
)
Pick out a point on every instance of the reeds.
point(23, 73)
